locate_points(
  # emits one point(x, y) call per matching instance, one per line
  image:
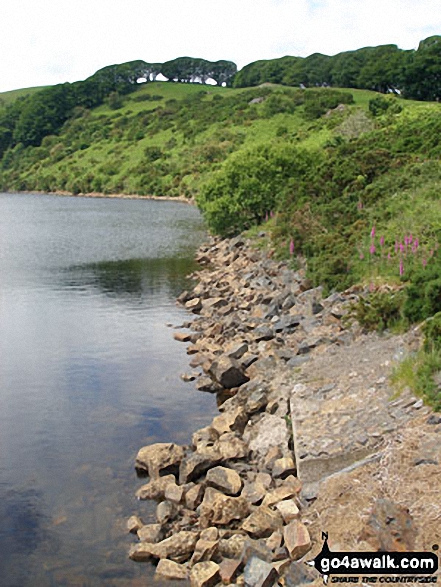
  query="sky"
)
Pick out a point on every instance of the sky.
point(45, 42)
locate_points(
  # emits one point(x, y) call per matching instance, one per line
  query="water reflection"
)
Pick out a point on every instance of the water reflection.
point(132, 278)
point(88, 373)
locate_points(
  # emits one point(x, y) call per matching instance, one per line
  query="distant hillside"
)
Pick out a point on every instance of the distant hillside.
point(9, 97)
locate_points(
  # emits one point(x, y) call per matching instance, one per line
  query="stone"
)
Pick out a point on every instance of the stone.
point(257, 401)
point(158, 457)
point(389, 527)
point(155, 489)
point(434, 420)
point(262, 522)
point(165, 512)
point(182, 336)
point(263, 333)
point(288, 509)
point(195, 464)
point(232, 547)
point(299, 574)
point(228, 373)
point(168, 569)
point(217, 508)
point(268, 432)
point(204, 574)
point(193, 497)
point(284, 467)
point(274, 542)
point(224, 479)
point(258, 573)
point(229, 568)
point(194, 305)
point(134, 523)
point(151, 533)
point(254, 492)
point(236, 350)
point(231, 421)
point(203, 436)
point(207, 384)
point(174, 493)
point(178, 548)
point(204, 550)
point(257, 548)
point(297, 540)
point(231, 447)
point(211, 533)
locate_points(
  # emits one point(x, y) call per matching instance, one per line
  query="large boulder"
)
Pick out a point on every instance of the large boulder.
point(204, 574)
point(262, 522)
point(297, 540)
point(227, 372)
point(159, 457)
point(224, 479)
point(217, 508)
point(178, 548)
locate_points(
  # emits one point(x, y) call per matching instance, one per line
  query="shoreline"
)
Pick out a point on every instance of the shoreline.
point(62, 193)
point(254, 490)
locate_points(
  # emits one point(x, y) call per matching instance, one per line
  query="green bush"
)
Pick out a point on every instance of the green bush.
point(379, 310)
point(424, 291)
point(432, 333)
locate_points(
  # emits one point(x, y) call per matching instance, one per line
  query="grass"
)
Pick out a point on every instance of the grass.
point(12, 95)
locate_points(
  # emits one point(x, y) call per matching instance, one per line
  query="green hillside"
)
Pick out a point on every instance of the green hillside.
point(348, 179)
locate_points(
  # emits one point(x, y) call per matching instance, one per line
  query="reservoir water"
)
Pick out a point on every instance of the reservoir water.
point(89, 373)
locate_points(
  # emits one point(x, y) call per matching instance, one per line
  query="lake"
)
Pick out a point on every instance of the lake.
point(89, 373)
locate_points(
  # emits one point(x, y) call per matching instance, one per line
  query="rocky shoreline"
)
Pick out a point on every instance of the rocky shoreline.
point(232, 507)
point(64, 193)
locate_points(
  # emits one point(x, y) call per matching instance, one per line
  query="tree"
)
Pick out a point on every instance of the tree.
point(422, 76)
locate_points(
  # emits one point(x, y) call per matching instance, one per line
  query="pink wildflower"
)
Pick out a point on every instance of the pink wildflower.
point(382, 241)
point(373, 232)
point(291, 247)
point(372, 249)
point(401, 267)
point(424, 262)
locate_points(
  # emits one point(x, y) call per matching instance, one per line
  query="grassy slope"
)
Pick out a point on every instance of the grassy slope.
point(104, 150)
point(8, 97)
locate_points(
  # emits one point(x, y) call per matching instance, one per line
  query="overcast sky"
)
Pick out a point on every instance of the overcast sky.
point(53, 41)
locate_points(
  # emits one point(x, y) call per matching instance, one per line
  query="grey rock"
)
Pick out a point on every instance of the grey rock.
point(195, 464)
point(228, 373)
point(433, 420)
point(259, 573)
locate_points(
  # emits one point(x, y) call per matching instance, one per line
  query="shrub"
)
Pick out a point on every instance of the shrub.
point(379, 310)
point(424, 292)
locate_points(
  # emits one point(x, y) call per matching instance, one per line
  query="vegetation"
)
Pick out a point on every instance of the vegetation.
point(386, 69)
point(347, 178)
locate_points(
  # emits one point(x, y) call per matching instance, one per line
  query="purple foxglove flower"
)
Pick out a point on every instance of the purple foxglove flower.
point(372, 249)
point(373, 232)
point(291, 247)
point(401, 267)
point(382, 241)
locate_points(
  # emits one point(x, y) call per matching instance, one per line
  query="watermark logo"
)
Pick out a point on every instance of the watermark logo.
point(374, 563)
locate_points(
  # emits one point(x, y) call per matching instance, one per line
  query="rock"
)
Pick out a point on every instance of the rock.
point(211, 533)
point(236, 350)
point(254, 492)
point(269, 431)
point(284, 467)
point(165, 512)
point(299, 574)
point(158, 457)
point(205, 574)
point(204, 436)
point(297, 540)
point(193, 497)
point(155, 489)
point(228, 373)
point(232, 547)
point(134, 524)
point(182, 336)
point(229, 568)
point(390, 527)
point(217, 508)
point(178, 548)
point(274, 542)
point(231, 447)
point(224, 479)
point(257, 401)
point(259, 573)
point(194, 305)
point(434, 420)
point(256, 548)
point(168, 569)
point(263, 333)
point(195, 464)
point(233, 420)
point(262, 522)
point(204, 550)
point(207, 384)
point(174, 493)
point(288, 510)
point(151, 533)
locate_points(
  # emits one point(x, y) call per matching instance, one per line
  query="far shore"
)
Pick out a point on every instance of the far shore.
point(101, 195)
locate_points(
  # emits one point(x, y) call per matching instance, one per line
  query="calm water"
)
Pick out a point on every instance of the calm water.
point(89, 373)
